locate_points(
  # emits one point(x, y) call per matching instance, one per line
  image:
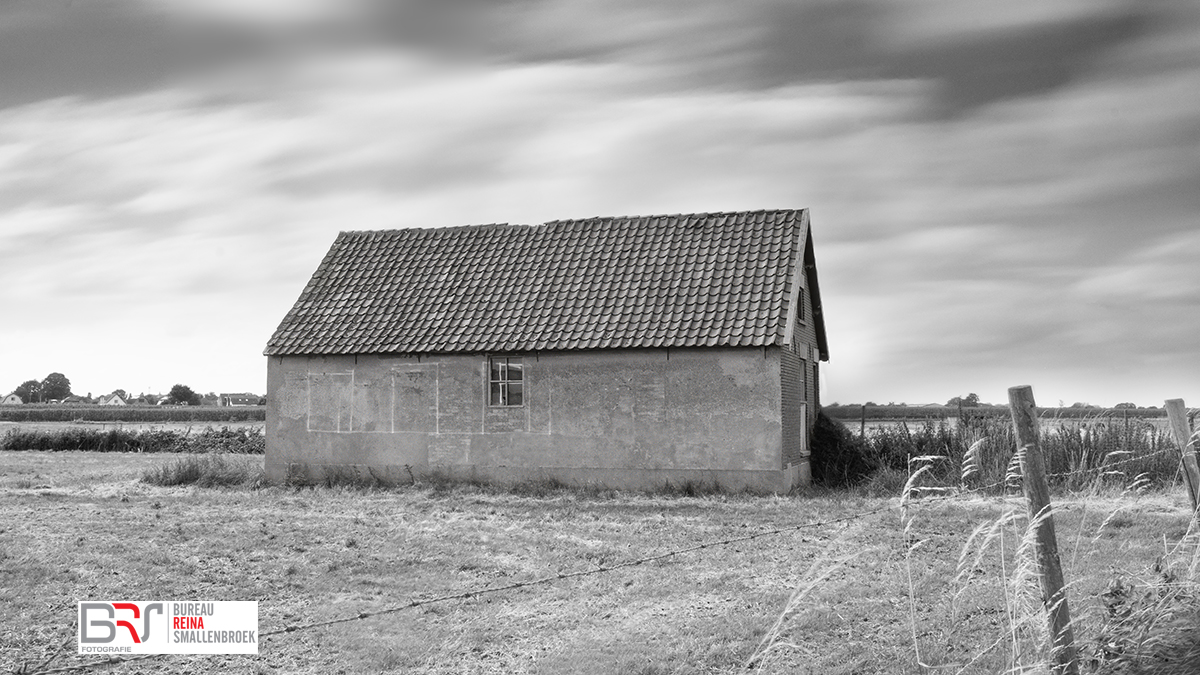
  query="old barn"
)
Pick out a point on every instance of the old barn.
point(627, 352)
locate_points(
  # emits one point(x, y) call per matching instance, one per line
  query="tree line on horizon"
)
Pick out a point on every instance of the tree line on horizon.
point(56, 387)
point(972, 401)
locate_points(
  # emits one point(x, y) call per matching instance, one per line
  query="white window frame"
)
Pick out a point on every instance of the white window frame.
point(504, 381)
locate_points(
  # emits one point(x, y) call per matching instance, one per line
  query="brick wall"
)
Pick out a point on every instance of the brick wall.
point(792, 379)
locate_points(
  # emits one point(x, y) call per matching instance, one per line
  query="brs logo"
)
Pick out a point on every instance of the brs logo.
point(107, 630)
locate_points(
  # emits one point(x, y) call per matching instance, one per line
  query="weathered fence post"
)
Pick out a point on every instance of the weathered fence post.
point(1177, 415)
point(1037, 492)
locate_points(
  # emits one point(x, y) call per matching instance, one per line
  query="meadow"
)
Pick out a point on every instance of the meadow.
point(852, 581)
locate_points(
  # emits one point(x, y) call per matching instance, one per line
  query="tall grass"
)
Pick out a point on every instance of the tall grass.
point(978, 450)
point(207, 470)
point(1147, 625)
point(1153, 626)
point(241, 441)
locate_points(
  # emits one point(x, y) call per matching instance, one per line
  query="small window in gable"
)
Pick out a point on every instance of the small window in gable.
point(506, 381)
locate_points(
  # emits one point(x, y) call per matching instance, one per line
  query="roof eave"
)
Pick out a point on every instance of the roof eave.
point(814, 289)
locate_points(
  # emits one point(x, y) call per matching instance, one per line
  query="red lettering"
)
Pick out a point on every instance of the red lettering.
point(187, 622)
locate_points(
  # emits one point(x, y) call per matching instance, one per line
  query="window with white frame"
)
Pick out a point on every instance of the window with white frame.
point(506, 381)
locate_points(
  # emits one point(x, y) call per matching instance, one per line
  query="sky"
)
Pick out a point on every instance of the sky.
point(1001, 194)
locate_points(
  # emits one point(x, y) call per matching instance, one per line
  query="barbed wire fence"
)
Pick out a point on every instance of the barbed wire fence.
point(913, 495)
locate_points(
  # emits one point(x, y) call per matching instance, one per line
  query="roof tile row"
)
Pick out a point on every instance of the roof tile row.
point(656, 281)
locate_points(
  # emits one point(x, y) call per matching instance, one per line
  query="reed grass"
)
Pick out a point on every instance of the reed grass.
point(979, 451)
point(1150, 621)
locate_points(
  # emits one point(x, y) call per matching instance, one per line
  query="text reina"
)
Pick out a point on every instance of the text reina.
point(187, 622)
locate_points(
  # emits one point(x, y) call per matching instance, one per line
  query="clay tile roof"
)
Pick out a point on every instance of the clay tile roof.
point(703, 279)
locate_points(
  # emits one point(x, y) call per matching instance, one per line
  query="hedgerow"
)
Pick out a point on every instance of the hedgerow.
point(209, 440)
point(94, 413)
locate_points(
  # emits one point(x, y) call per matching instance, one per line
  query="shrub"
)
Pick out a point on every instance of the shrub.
point(238, 441)
point(839, 458)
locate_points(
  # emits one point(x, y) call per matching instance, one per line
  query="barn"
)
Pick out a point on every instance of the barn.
point(627, 352)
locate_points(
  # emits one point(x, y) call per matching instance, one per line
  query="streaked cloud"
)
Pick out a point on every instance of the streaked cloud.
point(998, 193)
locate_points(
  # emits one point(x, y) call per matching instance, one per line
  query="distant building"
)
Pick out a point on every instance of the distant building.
point(627, 352)
point(111, 399)
point(239, 399)
point(11, 399)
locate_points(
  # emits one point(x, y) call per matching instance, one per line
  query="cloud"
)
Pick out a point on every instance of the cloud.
point(187, 201)
point(270, 14)
point(106, 48)
point(1159, 271)
point(975, 53)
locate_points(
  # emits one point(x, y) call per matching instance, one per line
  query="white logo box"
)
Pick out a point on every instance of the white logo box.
point(168, 627)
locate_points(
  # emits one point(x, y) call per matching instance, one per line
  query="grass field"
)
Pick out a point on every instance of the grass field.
point(77, 526)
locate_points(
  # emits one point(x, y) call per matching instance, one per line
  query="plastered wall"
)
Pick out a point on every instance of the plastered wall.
point(629, 419)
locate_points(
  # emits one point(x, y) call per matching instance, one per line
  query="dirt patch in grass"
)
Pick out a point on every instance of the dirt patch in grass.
point(77, 526)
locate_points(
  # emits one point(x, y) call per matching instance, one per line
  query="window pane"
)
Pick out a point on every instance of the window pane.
point(505, 376)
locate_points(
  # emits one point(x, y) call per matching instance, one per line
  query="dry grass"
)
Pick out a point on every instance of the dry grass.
point(207, 470)
point(83, 526)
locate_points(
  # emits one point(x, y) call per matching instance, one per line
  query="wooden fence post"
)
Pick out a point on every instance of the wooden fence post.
point(1182, 431)
point(1033, 476)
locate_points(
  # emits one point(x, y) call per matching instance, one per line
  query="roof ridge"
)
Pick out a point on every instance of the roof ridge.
point(655, 216)
point(442, 228)
point(557, 221)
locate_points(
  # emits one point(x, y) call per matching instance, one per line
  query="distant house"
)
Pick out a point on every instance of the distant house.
point(238, 399)
point(11, 399)
point(75, 400)
point(626, 352)
point(111, 399)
